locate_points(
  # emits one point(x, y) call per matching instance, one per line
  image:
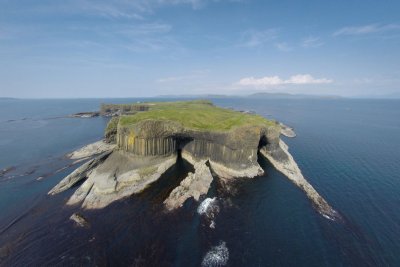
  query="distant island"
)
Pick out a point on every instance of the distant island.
point(144, 140)
point(260, 95)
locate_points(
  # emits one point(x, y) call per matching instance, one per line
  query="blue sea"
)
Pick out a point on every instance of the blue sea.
point(348, 149)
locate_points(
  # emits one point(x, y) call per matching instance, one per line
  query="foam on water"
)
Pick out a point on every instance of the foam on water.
point(216, 256)
point(209, 207)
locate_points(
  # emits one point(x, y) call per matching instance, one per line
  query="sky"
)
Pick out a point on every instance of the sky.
point(138, 48)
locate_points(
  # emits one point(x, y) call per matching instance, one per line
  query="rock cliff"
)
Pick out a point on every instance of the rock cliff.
point(231, 153)
point(144, 140)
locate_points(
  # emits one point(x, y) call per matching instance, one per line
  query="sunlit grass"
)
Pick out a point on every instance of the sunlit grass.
point(199, 115)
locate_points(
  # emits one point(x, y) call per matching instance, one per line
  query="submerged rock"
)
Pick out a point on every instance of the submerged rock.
point(194, 185)
point(6, 170)
point(79, 220)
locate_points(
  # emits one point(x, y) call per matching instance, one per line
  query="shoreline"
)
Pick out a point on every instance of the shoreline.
point(291, 170)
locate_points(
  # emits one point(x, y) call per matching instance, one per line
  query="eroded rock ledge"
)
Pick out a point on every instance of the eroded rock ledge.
point(141, 146)
point(283, 161)
point(194, 185)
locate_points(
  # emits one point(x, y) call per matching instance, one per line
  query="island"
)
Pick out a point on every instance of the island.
point(143, 140)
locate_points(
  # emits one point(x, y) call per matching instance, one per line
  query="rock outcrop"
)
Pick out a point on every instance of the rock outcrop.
point(141, 146)
point(6, 170)
point(119, 176)
point(230, 153)
point(287, 131)
point(111, 110)
point(79, 220)
point(287, 166)
point(79, 174)
point(91, 150)
point(85, 115)
point(194, 185)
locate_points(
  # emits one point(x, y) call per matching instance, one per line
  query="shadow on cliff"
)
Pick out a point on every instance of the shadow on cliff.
point(160, 189)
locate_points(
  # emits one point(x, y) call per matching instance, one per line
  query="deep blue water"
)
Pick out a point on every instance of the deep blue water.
point(348, 149)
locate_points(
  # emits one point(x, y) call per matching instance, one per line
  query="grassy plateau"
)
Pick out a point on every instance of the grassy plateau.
point(197, 115)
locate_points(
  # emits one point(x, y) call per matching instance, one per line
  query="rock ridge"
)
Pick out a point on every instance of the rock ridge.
point(194, 185)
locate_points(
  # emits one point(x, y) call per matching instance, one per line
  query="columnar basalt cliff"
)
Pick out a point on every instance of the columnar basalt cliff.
point(234, 150)
point(148, 137)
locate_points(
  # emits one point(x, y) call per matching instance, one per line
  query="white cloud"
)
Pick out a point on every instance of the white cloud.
point(306, 79)
point(284, 47)
point(111, 11)
point(134, 8)
point(176, 78)
point(254, 38)
point(265, 81)
point(191, 76)
point(194, 3)
point(299, 79)
point(146, 29)
point(366, 29)
point(311, 42)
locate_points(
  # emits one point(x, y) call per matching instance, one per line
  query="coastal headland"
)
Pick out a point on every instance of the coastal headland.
point(144, 140)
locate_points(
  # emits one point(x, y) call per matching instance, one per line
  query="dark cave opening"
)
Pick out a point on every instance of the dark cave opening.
point(263, 142)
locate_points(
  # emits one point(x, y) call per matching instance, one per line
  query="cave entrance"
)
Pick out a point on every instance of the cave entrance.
point(181, 142)
point(263, 142)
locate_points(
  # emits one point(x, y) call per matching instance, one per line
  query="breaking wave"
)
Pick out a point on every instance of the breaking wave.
point(217, 256)
point(209, 207)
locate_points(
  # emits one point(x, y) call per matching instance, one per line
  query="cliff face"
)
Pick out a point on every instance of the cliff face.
point(149, 138)
point(236, 149)
point(145, 144)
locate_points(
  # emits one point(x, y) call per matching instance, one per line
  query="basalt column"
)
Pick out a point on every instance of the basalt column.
point(148, 139)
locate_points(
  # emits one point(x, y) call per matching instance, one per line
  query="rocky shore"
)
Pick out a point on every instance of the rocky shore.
point(287, 131)
point(194, 185)
point(287, 166)
point(85, 115)
point(146, 140)
point(6, 170)
point(91, 150)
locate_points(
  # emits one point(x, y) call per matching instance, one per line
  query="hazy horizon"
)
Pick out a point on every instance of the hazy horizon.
point(279, 95)
point(148, 48)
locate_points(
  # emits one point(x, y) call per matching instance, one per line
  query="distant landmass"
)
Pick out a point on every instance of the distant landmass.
point(292, 96)
point(262, 95)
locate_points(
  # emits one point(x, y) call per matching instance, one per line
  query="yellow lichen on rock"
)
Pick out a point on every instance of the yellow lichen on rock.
point(131, 139)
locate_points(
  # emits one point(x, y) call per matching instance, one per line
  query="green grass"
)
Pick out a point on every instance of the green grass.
point(112, 124)
point(198, 115)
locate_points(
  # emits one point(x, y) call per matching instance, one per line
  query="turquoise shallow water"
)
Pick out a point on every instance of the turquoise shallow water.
point(348, 149)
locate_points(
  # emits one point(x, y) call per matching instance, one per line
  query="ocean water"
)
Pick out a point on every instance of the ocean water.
point(348, 149)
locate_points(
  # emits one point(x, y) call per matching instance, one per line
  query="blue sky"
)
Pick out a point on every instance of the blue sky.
point(135, 48)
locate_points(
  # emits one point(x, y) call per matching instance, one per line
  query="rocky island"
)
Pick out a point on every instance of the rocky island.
point(144, 140)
